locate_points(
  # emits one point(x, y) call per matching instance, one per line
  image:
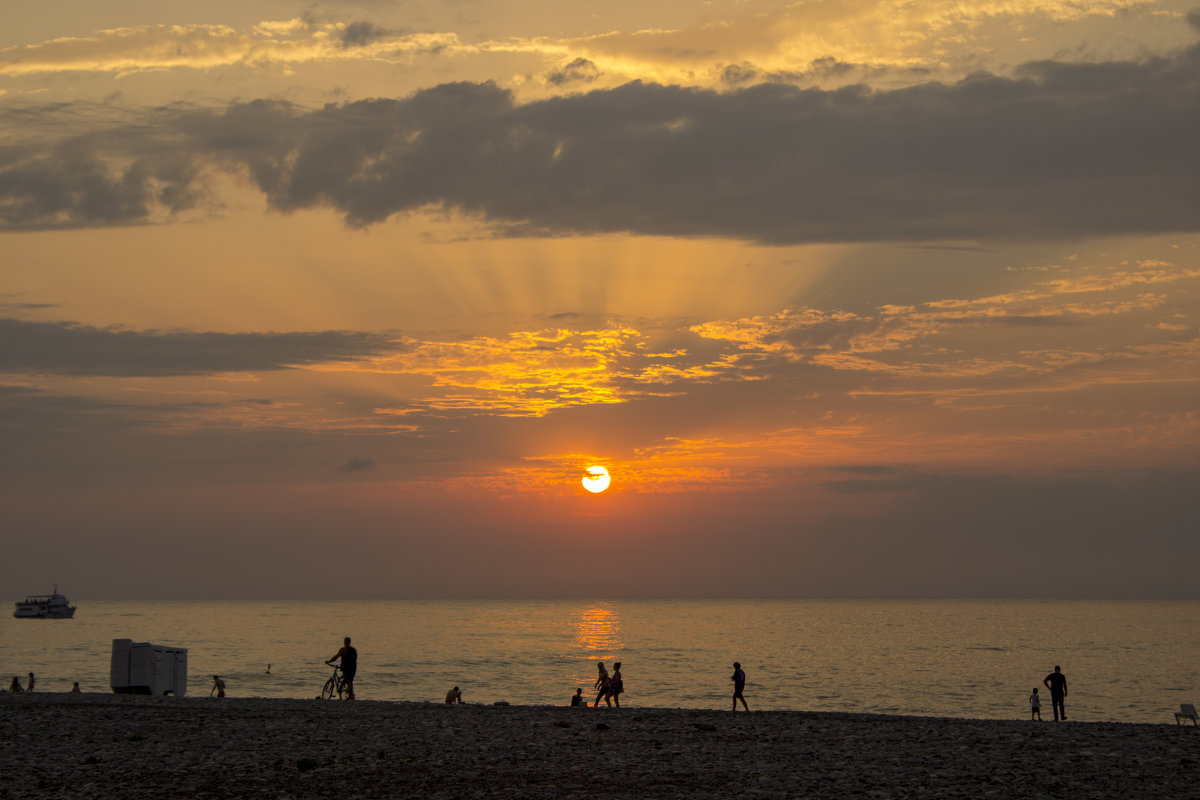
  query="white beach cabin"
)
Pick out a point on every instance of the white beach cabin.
point(145, 668)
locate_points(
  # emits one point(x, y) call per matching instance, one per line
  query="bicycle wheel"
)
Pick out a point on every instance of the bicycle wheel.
point(331, 688)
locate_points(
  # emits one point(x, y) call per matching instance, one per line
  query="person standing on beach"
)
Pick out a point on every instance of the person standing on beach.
point(218, 686)
point(739, 684)
point(29, 686)
point(1035, 705)
point(1056, 682)
point(602, 685)
point(615, 684)
point(349, 664)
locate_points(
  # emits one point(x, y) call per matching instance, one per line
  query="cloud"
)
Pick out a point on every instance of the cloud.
point(68, 349)
point(359, 464)
point(1064, 150)
point(578, 71)
point(361, 33)
point(532, 373)
point(157, 47)
point(807, 42)
point(1058, 335)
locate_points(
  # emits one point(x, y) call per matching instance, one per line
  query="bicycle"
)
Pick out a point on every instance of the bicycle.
point(335, 685)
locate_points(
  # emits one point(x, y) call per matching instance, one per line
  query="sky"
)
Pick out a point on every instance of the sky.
point(852, 298)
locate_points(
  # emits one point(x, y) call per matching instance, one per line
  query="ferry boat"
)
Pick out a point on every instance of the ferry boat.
point(45, 606)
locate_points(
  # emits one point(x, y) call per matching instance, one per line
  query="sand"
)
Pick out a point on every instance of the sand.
point(93, 745)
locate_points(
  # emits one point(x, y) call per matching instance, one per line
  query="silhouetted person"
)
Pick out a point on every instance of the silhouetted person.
point(218, 686)
point(602, 685)
point(615, 684)
point(29, 686)
point(739, 685)
point(1056, 682)
point(1035, 705)
point(577, 698)
point(453, 696)
point(349, 663)
point(15, 686)
point(75, 688)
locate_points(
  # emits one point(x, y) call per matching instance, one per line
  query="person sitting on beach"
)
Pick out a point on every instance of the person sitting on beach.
point(577, 698)
point(218, 686)
point(1035, 705)
point(15, 687)
point(615, 684)
point(349, 663)
point(739, 684)
point(454, 696)
point(602, 685)
point(75, 688)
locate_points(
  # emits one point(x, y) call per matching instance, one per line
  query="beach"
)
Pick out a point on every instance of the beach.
point(101, 746)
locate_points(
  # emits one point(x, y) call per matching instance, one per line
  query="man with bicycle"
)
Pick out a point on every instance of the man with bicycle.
point(349, 663)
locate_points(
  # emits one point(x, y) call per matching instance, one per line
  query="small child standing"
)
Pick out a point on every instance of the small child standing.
point(1035, 705)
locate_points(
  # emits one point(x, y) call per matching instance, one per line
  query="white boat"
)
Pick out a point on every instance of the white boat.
point(45, 606)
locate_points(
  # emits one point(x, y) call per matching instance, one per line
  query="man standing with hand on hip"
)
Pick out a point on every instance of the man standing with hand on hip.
point(1056, 682)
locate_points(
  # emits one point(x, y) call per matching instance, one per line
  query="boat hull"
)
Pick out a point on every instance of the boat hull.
point(35, 613)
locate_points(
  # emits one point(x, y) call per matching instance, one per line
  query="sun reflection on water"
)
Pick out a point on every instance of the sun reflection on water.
point(598, 631)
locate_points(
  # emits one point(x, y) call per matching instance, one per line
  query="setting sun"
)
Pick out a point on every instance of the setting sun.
point(596, 480)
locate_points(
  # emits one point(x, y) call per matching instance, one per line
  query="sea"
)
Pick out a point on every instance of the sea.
point(1132, 661)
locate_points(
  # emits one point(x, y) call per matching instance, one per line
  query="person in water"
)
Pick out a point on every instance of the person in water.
point(218, 686)
point(349, 664)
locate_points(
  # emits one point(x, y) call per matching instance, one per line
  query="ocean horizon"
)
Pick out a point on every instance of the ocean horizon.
point(1125, 660)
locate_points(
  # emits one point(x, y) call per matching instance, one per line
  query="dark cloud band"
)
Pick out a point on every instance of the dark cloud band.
point(1059, 150)
point(64, 348)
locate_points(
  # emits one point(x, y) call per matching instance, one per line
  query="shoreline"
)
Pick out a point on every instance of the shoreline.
point(103, 745)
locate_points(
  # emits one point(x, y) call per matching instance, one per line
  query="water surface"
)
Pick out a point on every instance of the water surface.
point(1133, 661)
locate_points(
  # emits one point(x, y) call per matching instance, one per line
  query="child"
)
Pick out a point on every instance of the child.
point(577, 698)
point(1035, 705)
point(218, 686)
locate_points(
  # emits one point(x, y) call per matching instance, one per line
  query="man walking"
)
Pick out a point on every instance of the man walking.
point(1056, 682)
point(739, 684)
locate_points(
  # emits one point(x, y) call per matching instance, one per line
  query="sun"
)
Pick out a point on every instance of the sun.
point(596, 480)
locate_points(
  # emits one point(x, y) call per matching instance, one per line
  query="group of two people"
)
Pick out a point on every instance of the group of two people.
point(608, 687)
point(1056, 682)
point(16, 688)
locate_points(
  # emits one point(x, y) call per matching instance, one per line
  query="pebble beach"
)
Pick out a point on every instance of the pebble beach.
point(109, 746)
